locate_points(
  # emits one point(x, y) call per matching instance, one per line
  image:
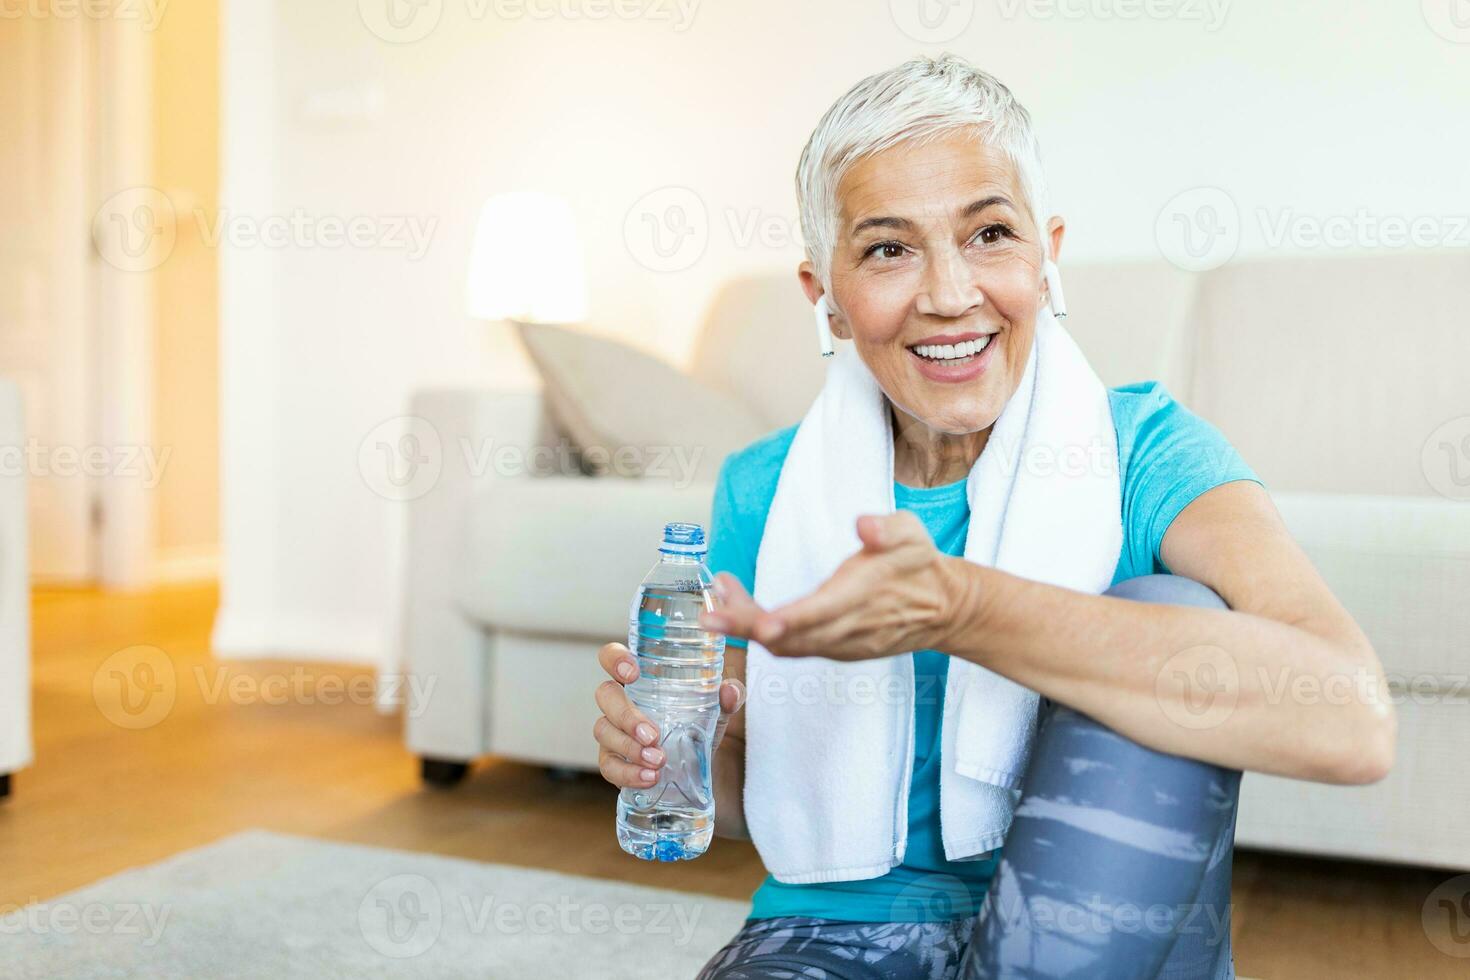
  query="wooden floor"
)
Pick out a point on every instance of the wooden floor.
point(301, 750)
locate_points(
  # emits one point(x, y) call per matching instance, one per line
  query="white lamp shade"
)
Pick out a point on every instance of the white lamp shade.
point(526, 261)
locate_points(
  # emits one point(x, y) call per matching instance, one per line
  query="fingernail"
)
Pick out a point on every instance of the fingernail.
point(648, 774)
point(719, 588)
point(646, 734)
point(625, 671)
point(652, 756)
point(714, 621)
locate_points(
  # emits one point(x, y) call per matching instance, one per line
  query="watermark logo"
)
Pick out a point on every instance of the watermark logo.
point(1209, 13)
point(667, 230)
point(1446, 917)
point(402, 458)
point(400, 21)
point(932, 21)
point(1450, 19)
point(135, 229)
point(1445, 459)
point(1198, 229)
point(1198, 687)
point(144, 921)
point(147, 13)
point(402, 916)
point(135, 688)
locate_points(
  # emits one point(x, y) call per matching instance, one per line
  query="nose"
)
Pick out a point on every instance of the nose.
point(949, 286)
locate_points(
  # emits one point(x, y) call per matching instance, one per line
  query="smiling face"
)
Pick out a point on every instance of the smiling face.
point(937, 278)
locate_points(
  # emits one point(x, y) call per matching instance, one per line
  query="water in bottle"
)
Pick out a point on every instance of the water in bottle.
point(680, 666)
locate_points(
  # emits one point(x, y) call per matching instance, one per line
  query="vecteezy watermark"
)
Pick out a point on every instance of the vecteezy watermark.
point(1362, 229)
point(147, 13)
point(66, 918)
point(135, 687)
point(1450, 19)
point(405, 915)
point(301, 686)
point(1198, 687)
point(669, 229)
point(932, 21)
point(1210, 14)
point(1198, 229)
point(401, 917)
point(407, 21)
point(1041, 912)
point(143, 463)
point(1201, 229)
point(1445, 459)
point(403, 458)
point(138, 687)
point(136, 230)
point(1446, 917)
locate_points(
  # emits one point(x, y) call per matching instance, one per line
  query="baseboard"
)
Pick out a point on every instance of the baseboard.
point(318, 639)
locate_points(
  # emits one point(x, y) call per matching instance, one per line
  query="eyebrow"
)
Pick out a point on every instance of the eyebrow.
point(904, 224)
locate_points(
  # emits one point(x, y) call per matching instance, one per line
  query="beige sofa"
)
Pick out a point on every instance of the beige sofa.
point(1343, 380)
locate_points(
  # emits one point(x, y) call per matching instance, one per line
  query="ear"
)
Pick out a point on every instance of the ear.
point(812, 286)
point(1055, 229)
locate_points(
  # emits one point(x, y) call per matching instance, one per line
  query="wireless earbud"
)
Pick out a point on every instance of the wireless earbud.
point(1054, 287)
point(824, 328)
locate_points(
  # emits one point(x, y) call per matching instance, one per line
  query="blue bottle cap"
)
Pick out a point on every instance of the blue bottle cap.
point(683, 539)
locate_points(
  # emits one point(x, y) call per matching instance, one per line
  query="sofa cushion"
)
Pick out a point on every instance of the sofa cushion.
point(630, 414)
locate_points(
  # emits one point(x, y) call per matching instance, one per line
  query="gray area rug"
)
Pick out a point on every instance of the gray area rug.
point(260, 904)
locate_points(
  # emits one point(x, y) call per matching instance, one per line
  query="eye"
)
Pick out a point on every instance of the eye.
point(991, 234)
point(898, 249)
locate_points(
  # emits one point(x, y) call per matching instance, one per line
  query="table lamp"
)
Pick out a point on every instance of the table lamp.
point(526, 261)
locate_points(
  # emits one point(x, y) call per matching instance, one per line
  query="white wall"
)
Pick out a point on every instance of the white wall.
point(1322, 107)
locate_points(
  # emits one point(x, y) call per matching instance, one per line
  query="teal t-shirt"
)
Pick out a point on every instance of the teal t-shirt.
point(1167, 456)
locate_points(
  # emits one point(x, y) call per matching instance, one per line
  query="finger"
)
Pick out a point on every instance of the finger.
point(620, 772)
point(618, 661)
point(736, 614)
point(614, 702)
point(883, 532)
point(797, 623)
point(610, 737)
point(732, 696)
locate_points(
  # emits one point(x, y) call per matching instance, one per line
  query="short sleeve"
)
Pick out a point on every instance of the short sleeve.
point(1172, 456)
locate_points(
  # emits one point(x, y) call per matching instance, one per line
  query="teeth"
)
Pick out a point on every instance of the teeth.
point(952, 351)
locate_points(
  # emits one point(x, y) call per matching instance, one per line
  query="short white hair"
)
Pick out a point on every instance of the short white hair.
point(920, 100)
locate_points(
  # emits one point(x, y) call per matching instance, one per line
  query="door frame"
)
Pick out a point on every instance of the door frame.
point(123, 352)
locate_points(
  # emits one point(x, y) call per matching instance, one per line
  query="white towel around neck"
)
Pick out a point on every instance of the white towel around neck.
point(829, 744)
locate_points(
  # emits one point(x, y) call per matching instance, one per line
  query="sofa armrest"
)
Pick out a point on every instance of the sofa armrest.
point(563, 557)
point(439, 648)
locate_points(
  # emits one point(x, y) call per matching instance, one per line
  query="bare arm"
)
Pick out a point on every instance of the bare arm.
point(1284, 681)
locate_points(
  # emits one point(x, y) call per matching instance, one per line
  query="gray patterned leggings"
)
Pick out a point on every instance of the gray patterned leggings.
point(1117, 865)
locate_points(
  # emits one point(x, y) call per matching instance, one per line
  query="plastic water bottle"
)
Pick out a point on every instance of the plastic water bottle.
point(680, 666)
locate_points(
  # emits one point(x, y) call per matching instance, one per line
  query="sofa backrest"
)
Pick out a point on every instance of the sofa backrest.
point(1332, 374)
point(1326, 373)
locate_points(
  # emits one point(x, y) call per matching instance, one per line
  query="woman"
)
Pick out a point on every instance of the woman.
point(923, 209)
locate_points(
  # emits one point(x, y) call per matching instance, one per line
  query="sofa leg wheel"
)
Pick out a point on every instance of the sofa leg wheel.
point(4, 785)
point(443, 773)
point(563, 774)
